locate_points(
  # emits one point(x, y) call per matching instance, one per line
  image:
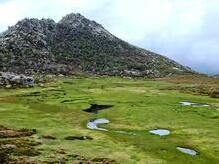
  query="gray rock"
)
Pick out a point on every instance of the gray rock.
point(9, 146)
point(76, 44)
point(9, 80)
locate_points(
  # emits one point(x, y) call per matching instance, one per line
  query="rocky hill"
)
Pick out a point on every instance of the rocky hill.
point(76, 44)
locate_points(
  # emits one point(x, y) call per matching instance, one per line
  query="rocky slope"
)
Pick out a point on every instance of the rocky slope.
point(76, 44)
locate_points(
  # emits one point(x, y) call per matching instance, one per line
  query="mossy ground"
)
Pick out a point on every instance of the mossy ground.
point(138, 106)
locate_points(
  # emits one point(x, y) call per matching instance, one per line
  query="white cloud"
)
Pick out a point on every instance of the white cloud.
point(12, 11)
point(185, 30)
point(135, 20)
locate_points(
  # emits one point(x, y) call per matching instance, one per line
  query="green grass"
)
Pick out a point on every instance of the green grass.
point(139, 106)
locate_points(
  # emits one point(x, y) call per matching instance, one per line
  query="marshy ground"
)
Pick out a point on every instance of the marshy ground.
point(56, 111)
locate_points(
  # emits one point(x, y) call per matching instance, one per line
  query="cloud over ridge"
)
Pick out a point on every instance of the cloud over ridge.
point(185, 31)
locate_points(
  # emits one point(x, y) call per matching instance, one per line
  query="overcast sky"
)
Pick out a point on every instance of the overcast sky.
point(184, 30)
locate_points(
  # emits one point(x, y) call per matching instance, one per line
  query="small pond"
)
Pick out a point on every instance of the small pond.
point(188, 103)
point(187, 151)
point(160, 132)
point(93, 124)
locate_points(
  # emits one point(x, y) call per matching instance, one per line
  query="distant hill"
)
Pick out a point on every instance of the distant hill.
point(77, 44)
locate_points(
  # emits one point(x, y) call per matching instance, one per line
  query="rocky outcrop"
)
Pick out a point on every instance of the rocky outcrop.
point(10, 80)
point(74, 44)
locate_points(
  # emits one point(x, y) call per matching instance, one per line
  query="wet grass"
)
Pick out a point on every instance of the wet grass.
point(138, 106)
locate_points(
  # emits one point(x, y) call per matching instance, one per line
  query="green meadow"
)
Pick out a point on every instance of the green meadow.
point(139, 105)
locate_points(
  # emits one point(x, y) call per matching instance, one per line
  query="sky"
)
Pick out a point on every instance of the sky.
point(186, 31)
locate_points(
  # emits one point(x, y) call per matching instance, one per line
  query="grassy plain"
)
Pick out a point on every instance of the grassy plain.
point(140, 105)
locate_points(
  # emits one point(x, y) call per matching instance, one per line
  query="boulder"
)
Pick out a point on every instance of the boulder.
point(9, 79)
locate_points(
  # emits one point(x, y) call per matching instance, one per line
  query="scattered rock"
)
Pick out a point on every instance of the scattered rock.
point(4, 155)
point(8, 86)
point(215, 93)
point(9, 146)
point(78, 157)
point(86, 160)
point(49, 137)
point(24, 160)
point(9, 133)
point(10, 80)
point(41, 85)
point(78, 138)
point(13, 150)
point(36, 142)
point(61, 151)
point(103, 160)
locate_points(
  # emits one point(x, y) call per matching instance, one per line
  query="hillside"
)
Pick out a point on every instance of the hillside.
point(77, 44)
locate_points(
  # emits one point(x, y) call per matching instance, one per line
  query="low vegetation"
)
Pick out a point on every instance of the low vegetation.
point(56, 111)
point(197, 84)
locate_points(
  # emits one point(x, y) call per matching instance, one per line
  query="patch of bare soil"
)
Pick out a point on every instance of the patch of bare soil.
point(15, 147)
point(78, 159)
point(10, 133)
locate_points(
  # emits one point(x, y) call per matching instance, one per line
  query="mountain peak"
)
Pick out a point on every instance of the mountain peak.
point(76, 43)
point(33, 23)
point(71, 18)
point(78, 20)
point(80, 23)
